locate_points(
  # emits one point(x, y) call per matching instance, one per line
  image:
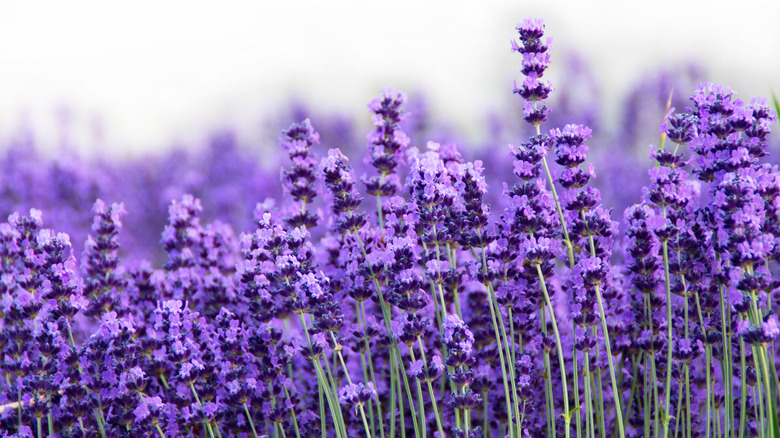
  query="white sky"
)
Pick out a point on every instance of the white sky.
point(148, 73)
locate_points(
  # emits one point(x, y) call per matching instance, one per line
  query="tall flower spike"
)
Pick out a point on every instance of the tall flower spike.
point(535, 62)
point(339, 180)
point(299, 179)
point(387, 143)
point(386, 148)
point(180, 239)
point(100, 260)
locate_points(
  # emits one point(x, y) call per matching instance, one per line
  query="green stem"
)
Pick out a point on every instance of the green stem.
point(632, 392)
point(50, 422)
point(365, 423)
point(498, 322)
point(197, 399)
point(503, 366)
point(323, 427)
point(599, 385)
point(292, 414)
point(707, 360)
point(588, 398)
point(678, 417)
point(435, 410)
point(484, 414)
point(654, 380)
point(743, 386)
point(727, 367)
point(605, 330)
point(688, 412)
point(547, 380)
point(648, 400)
point(561, 363)
point(394, 344)
point(393, 385)
point(420, 396)
point(98, 418)
point(566, 240)
point(615, 391)
point(333, 406)
point(668, 381)
point(364, 368)
point(335, 397)
point(576, 376)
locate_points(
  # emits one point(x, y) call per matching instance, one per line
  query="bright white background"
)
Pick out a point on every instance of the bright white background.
point(141, 75)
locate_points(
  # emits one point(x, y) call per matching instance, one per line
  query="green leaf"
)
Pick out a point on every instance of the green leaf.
point(777, 106)
point(567, 416)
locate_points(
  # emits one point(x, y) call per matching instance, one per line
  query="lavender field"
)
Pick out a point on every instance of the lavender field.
point(556, 279)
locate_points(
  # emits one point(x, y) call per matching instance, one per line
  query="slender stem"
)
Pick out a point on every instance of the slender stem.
point(332, 404)
point(707, 360)
point(547, 380)
point(484, 414)
point(292, 414)
point(678, 417)
point(435, 410)
point(19, 403)
point(743, 386)
point(654, 380)
point(334, 407)
point(561, 362)
point(632, 392)
point(575, 374)
point(323, 424)
point(334, 387)
point(686, 366)
point(566, 240)
point(379, 215)
point(393, 384)
point(50, 422)
point(363, 366)
point(648, 400)
point(420, 403)
point(605, 330)
point(197, 399)
point(668, 383)
point(717, 422)
point(688, 412)
point(157, 426)
point(599, 385)
point(373, 377)
point(402, 371)
point(588, 398)
point(503, 366)
point(727, 369)
point(365, 423)
point(99, 419)
point(394, 343)
point(615, 391)
point(401, 409)
point(758, 408)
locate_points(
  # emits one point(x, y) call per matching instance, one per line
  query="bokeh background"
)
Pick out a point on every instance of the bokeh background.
point(132, 77)
point(144, 101)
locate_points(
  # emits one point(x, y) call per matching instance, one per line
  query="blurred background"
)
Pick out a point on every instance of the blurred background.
point(143, 101)
point(143, 75)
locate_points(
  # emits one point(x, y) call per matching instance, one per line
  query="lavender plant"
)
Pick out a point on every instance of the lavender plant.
point(430, 305)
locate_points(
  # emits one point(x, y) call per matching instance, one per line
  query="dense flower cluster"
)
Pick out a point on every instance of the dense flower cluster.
point(443, 309)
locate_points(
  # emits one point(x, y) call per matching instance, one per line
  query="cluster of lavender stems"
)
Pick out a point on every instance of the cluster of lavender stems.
point(401, 304)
